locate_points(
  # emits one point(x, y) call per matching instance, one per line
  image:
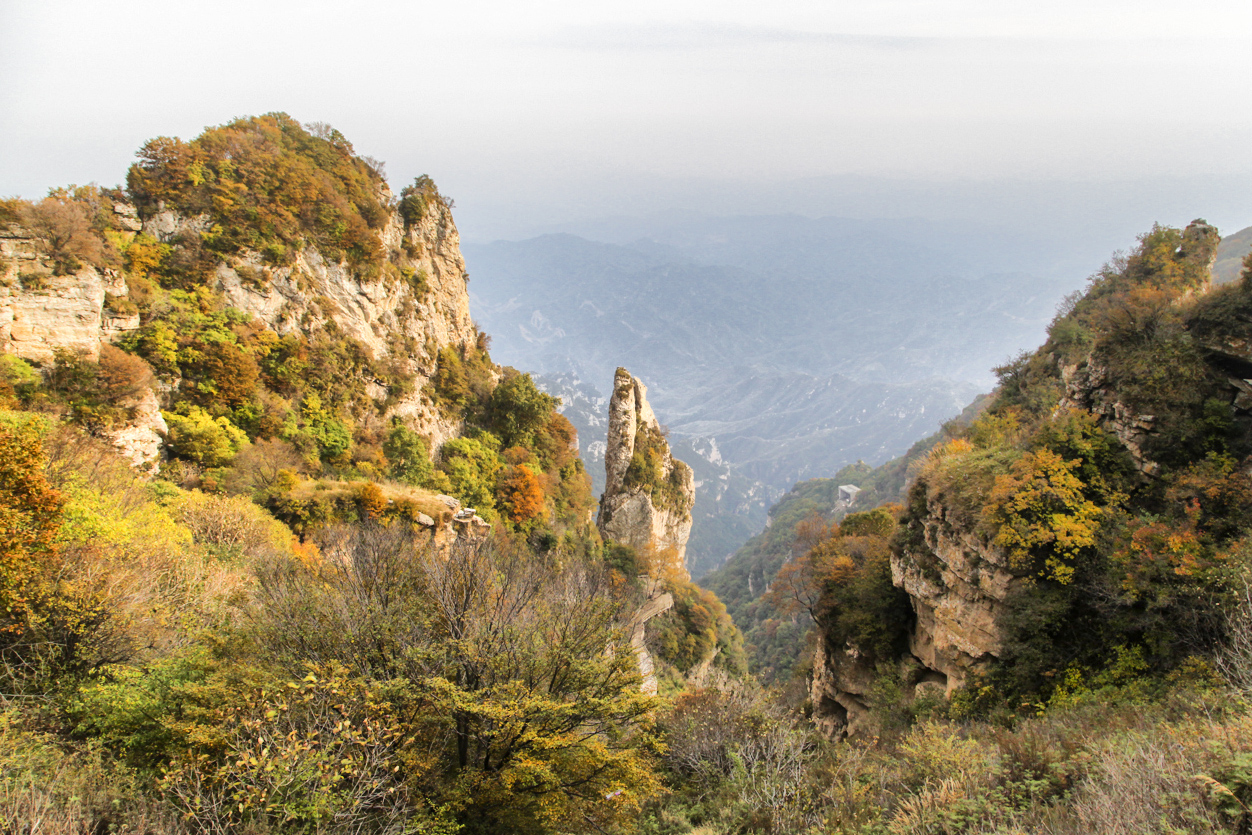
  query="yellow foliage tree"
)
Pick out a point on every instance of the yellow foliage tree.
point(1042, 516)
point(30, 518)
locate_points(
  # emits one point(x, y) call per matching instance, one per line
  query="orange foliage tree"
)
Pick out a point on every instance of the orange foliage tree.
point(30, 518)
point(1042, 516)
point(521, 494)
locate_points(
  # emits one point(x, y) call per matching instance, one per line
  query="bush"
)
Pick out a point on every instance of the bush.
point(198, 437)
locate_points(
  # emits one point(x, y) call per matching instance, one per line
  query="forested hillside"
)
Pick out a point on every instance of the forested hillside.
point(1077, 550)
point(281, 548)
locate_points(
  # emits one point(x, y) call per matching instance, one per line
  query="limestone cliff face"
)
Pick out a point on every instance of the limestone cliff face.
point(415, 305)
point(1087, 387)
point(41, 311)
point(648, 493)
point(410, 309)
point(958, 586)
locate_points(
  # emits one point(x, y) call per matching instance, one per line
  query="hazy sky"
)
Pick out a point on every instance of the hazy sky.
point(563, 105)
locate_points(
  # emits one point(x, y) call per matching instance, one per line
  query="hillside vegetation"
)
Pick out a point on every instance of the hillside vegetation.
point(1105, 486)
point(282, 627)
point(256, 411)
point(286, 630)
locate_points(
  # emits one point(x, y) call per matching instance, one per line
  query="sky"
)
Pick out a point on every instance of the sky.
point(534, 114)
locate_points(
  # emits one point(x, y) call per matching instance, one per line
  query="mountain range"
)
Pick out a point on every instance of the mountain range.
point(775, 348)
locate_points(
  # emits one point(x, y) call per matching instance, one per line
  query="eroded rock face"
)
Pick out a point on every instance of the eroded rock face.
point(958, 586)
point(839, 690)
point(414, 306)
point(1087, 388)
point(139, 440)
point(648, 508)
point(657, 602)
point(409, 310)
point(40, 311)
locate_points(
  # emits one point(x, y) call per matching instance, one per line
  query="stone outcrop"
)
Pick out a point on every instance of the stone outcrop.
point(410, 309)
point(1087, 388)
point(139, 440)
point(415, 305)
point(656, 603)
point(958, 586)
point(41, 311)
point(648, 493)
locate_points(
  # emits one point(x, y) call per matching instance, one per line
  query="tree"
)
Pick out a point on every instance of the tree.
point(1042, 517)
point(408, 456)
point(65, 225)
point(30, 518)
point(471, 465)
point(521, 494)
point(199, 437)
point(518, 409)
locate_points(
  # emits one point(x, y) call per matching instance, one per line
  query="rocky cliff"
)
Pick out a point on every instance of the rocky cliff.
point(958, 585)
point(648, 493)
point(1100, 378)
point(43, 308)
point(958, 588)
point(406, 312)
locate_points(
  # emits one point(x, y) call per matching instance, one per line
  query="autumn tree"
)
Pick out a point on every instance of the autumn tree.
point(1042, 516)
point(521, 494)
point(30, 518)
point(65, 225)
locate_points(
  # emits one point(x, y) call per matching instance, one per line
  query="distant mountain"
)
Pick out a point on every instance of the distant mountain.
point(1230, 254)
point(782, 347)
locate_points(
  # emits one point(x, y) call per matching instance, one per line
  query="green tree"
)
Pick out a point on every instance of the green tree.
point(199, 437)
point(471, 465)
point(518, 409)
point(408, 456)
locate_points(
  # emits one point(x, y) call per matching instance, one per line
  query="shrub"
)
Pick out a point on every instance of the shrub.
point(199, 437)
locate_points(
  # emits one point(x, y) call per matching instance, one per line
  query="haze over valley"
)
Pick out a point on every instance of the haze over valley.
point(775, 348)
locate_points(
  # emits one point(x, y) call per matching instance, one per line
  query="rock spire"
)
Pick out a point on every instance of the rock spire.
point(648, 493)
